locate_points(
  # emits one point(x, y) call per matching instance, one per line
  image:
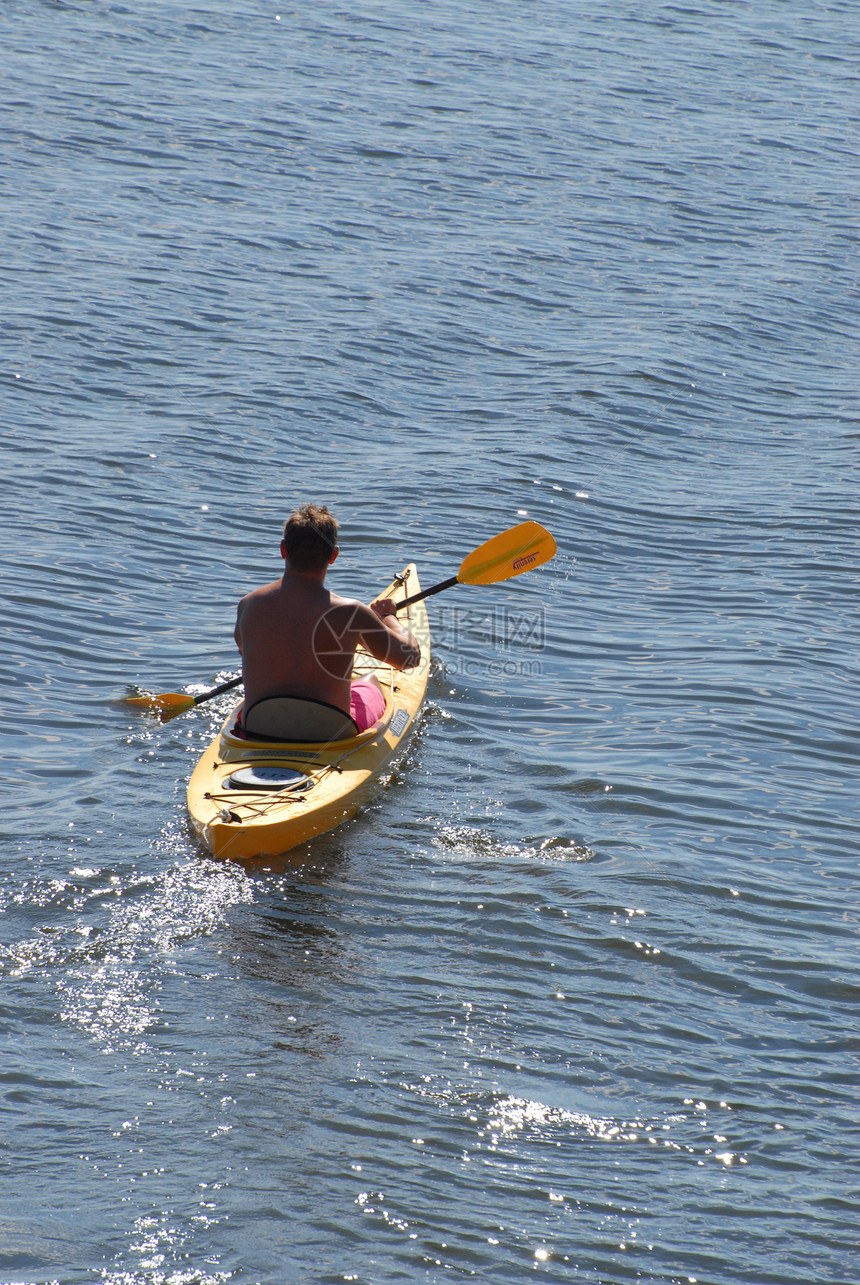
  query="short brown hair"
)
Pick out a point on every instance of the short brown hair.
point(310, 537)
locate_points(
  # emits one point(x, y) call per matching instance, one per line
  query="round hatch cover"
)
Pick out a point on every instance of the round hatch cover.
point(268, 778)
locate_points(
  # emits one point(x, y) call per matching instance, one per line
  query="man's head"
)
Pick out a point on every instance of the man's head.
point(310, 538)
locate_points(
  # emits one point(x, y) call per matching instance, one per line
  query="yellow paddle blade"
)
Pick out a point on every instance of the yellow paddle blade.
point(169, 704)
point(522, 548)
point(166, 705)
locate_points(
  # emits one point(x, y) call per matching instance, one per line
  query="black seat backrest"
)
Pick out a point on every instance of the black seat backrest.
point(293, 718)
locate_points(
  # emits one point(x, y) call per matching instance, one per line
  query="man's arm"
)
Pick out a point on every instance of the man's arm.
point(387, 639)
point(237, 632)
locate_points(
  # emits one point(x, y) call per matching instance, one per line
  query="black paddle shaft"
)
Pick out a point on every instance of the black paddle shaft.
point(427, 593)
point(216, 691)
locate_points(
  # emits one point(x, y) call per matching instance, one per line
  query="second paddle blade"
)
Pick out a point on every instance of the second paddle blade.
point(165, 705)
point(522, 548)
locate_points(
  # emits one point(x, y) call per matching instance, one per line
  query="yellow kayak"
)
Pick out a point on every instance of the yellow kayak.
point(251, 798)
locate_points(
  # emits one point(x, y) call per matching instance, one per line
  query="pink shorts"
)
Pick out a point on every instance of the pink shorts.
point(366, 704)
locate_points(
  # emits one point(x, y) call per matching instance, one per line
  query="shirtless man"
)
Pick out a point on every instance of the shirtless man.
point(297, 638)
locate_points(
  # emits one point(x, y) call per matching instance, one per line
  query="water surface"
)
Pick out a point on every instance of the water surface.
point(577, 994)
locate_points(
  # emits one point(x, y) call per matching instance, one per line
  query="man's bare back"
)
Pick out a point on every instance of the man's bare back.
point(297, 638)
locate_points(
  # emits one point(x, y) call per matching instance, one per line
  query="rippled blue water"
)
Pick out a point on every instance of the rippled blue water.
point(576, 997)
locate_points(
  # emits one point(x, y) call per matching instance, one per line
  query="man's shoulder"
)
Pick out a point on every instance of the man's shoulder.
point(262, 591)
point(349, 614)
point(340, 603)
